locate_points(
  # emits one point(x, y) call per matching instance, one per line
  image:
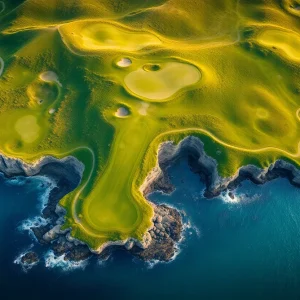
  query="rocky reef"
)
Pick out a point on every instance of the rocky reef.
point(29, 258)
point(159, 242)
point(161, 239)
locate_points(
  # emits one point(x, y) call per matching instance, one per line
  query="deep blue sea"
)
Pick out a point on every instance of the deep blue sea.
point(247, 249)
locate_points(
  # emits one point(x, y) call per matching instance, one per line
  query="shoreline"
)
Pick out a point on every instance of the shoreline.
point(161, 240)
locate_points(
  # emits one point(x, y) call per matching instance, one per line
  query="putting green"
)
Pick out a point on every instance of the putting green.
point(28, 128)
point(287, 42)
point(108, 81)
point(158, 82)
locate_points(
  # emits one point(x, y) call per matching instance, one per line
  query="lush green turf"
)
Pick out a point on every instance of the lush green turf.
point(226, 71)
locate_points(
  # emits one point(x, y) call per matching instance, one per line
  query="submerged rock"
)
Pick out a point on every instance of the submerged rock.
point(29, 258)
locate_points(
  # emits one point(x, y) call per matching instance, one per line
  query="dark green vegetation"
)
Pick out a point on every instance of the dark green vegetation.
point(226, 71)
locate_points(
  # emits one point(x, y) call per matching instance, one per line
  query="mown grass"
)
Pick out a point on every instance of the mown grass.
point(244, 108)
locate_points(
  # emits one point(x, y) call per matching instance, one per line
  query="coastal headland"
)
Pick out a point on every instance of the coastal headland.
point(103, 96)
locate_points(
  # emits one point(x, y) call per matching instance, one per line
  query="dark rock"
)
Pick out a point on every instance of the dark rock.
point(78, 253)
point(167, 221)
point(163, 244)
point(39, 233)
point(29, 258)
point(61, 246)
point(231, 195)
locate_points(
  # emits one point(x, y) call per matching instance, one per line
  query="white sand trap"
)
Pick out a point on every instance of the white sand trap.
point(143, 109)
point(124, 62)
point(1, 66)
point(52, 111)
point(50, 76)
point(122, 112)
point(28, 128)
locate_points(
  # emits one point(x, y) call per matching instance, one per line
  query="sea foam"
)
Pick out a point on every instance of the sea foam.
point(52, 261)
point(18, 260)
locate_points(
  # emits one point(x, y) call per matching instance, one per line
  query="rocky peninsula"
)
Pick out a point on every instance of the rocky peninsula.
point(160, 241)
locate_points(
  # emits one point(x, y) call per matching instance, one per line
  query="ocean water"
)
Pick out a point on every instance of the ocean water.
point(247, 249)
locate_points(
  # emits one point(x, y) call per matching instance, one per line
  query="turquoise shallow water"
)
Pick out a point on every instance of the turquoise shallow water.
point(244, 250)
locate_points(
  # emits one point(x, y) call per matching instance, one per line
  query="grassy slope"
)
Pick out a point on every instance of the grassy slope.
point(246, 100)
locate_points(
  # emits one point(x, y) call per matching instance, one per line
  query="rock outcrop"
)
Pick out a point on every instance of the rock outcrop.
point(29, 259)
point(193, 149)
point(160, 241)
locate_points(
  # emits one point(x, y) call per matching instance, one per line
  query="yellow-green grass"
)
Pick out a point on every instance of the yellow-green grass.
point(96, 36)
point(197, 68)
point(285, 41)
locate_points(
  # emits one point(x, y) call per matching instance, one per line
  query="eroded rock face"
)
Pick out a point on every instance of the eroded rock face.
point(169, 153)
point(206, 167)
point(160, 241)
point(165, 233)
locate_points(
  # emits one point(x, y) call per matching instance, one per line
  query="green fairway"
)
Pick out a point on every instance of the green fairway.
point(96, 36)
point(107, 81)
point(287, 42)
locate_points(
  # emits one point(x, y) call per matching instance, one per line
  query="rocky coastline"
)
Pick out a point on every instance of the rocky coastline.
point(161, 239)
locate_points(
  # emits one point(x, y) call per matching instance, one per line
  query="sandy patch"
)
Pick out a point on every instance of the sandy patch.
point(52, 111)
point(143, 109)
point(28, 128)
point(122, 112)
point(50, 76)
point(124, 62)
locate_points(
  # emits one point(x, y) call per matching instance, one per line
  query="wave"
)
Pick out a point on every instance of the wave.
point(37, 221)
point(52, 261)
point(238, 198)
point(45, 185)
point(44, 196)
point(18, 260)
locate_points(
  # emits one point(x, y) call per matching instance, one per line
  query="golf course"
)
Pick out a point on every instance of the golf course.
point(108, 81)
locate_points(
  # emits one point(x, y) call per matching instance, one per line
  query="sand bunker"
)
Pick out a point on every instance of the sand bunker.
point(50, 76)
point(122, 112)
point(143, 109)
point(28, 128)
point(52, 111)
point(91, 36)
point(157, 82)
point(124, 62)
point(285, 41)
